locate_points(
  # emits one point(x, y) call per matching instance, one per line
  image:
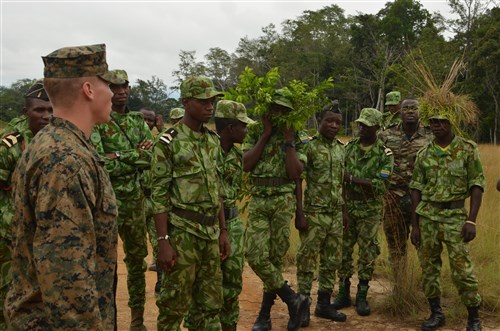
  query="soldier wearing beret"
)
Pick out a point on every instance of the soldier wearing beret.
point(447, 171)
point(274, 166)
point(21, 130)
point(368, 167)
point(393, 104)
point(125, 143)
point(231, 122)
point(64, 232)
point(405, 140)
point(187, 201)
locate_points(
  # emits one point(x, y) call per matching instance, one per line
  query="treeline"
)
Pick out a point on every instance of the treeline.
point(367, 56)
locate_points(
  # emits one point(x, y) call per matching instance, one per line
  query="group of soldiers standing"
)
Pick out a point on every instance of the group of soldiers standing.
point(98, 170)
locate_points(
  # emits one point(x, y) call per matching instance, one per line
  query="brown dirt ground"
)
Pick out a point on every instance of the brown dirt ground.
point(250, 303)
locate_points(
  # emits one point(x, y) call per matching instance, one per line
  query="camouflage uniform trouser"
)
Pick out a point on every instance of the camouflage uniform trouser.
point(323, 238)
point(397, 220)
point(151, 228)
point(5, 276)
point(364, 221)
point(268, 236)
point(232, 270)
point(132, 231)
point(433, 235)
point(194, 285)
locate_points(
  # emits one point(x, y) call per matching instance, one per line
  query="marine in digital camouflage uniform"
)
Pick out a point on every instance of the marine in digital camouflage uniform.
point(274, 165)
point(125, 143)
point(392, 115)
point(404, 140)
point(447, 171)
point(64, 233)
point(325, 214)
point(189, 216)
point(13, 140)
point(231, 123)
point(368, 167)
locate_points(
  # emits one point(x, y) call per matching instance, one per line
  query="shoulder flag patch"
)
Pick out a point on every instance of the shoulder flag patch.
point(385, 173)
point(168, 136)
point(12, 139)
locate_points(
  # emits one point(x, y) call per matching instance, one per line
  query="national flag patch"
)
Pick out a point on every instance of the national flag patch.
point(385, 173)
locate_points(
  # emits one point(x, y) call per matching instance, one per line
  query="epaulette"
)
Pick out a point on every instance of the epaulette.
point(12, 139)
point(168, 136)
point(387, 151)
point(340, 142)
point(213, 132)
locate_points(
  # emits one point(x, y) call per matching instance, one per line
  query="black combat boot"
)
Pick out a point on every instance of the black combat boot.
point(159, 274)
point(297, 306)
point(473, 321)
point(343, 298)
point(437, 317)
point(362, 307)
point(263, 321)
point(306, 318)
point(325, 309)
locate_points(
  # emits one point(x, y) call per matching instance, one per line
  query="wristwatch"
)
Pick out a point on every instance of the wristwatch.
point(165, 237)
point(291, 145)
point(117, 154)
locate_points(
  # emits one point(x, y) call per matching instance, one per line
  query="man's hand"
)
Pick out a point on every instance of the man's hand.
point(415, 236)
point(468, 232)
point(166, 256)
point(224, 246)
point(301, 223)
point(145, 144)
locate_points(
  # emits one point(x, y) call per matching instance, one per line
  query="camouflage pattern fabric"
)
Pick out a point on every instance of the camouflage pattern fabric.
point(268, 236)
point(397, 202)
point(186, 175)
point(391, 119)
point(198, 87)
point(64, 235)
point(365, 206)
point(324, 172)
point(443, 176)
point(232, 267)
point(194, 284)
point(392, 98)
point(16, 137)
point(272, 163)
point(126, 173)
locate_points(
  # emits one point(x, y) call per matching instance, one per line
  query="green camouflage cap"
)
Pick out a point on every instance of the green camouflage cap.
point(392, 98)
point(37, 91)
point(78, 61)
point(283, 97)
point(370, 117)
point(121, 76)
point(232, 109)
point(176, 113)
point(198, 87)
point(440, 117)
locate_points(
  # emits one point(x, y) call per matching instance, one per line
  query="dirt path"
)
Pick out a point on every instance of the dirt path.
point(250, 303)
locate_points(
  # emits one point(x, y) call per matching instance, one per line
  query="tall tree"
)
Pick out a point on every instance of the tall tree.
point(218, 67)
point(188, 66)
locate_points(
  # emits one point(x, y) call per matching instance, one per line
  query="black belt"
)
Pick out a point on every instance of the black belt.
point(230, 213)
point(196, 217)
point(456, 204)
point(271, 181)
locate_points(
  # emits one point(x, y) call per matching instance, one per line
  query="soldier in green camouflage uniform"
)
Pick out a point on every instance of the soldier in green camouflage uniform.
point(231, 122)
point(64, 233)
point(325, 214)
point(447, 171)
point(125, 142)
point(189, 216)
point(20, 132)
point(274, 165)
point(404, 140)
point(176, 115)
point(392, 115)
point(368, 168)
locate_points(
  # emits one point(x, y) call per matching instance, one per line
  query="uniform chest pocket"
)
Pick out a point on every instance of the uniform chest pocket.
point(190, 184)
point(458, 179)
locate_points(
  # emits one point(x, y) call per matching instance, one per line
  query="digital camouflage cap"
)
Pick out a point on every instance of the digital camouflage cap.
point(232, 109)
point(283, 97)
point(37, 91)
point(176, 113)
point(78, 61)
point(198, 87)
point(370, 117)
point(392, 98)
point(121, 76)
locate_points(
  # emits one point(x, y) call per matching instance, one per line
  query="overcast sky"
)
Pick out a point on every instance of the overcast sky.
point(144, 37)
